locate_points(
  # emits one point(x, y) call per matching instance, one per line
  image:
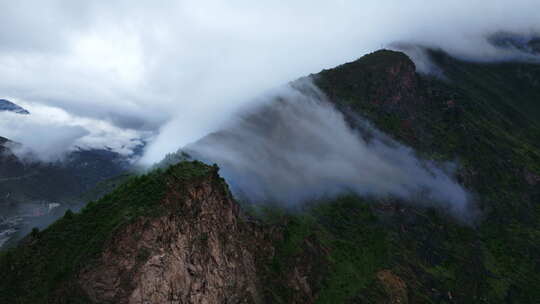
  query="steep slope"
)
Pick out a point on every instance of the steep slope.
point(169, 236)
point(480, 116)
point(196, 251)
point(512, 88)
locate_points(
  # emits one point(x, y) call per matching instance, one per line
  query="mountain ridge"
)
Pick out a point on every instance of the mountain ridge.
point(6, 105)
point(345, 250)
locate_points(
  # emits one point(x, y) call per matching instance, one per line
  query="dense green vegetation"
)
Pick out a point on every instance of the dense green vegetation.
point(342, 239)
point(485, 116)
point(48, 259)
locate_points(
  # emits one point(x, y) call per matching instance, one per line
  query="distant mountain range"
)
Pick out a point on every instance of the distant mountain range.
point(28, 188)
point(6, 105)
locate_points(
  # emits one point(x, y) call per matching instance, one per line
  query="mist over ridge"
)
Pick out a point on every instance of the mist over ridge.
point(296, 147)
point(174, 72)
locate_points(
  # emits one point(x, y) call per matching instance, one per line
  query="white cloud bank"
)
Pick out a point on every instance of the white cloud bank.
point(49, 132)
point(179, 69)
point(297, 147)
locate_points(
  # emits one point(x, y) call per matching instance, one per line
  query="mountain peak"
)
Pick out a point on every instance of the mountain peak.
point(378, 61)
point(6, 105)
point(384, 76)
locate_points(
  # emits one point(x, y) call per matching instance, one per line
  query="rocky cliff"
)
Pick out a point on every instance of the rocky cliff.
point(197, 251)
point(484, 116)
point(179, 237)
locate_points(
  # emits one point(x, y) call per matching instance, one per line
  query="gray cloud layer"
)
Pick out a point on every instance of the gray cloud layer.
point(179, 69)
point(297, 147)
point(48, 133)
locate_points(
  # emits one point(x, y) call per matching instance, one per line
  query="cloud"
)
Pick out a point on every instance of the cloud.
point(48, 133)
point(179, 69)
point(297, 147)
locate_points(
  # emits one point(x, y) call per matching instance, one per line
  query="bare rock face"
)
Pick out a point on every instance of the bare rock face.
point(199, 251)
point(172, 236)
point(396, 289)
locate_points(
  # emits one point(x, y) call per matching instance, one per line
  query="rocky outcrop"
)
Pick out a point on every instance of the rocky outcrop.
point(382, 78)
point(172, 236)
point(10, 165)
point(382, 86)
point(199, 251)
point(394, 286)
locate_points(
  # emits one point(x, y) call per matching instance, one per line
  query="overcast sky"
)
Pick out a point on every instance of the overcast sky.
point(171, 71)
